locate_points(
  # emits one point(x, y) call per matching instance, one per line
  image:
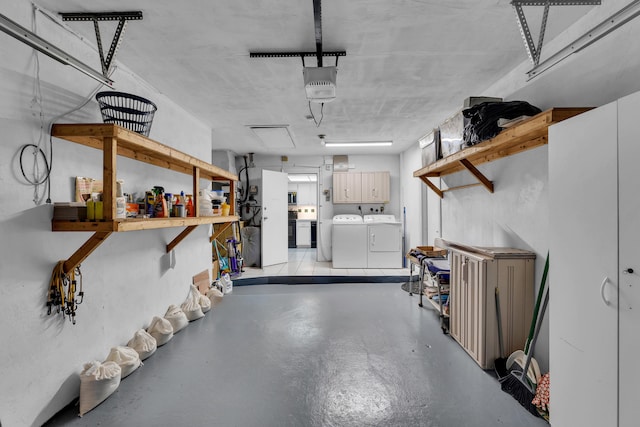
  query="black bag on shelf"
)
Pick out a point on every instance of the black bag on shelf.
point(483, 118)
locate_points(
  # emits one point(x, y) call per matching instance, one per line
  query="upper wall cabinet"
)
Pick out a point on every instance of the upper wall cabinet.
point(375, 187)
point(307, 194)
point(347, 187)
point(361, 187)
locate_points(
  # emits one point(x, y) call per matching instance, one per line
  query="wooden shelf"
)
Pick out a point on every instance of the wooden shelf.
point(138, 147)
point(135, 224)
point(113, 141)
point(529, 134)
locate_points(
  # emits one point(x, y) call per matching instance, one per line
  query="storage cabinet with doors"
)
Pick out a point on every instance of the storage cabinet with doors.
point(375, 187)
point(361, 187)
point(594, 305)
point(347, 187)
point(307, 194)
point(475, 274)
point(303, 233)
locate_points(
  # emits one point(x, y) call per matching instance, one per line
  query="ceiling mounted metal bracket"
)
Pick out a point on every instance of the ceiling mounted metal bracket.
point(317, 23)
point(319, 53)
point(38, 43)
point(534, 51)
point(606, 26)
point(300, 55)
point(294, 54)
point(95, 17)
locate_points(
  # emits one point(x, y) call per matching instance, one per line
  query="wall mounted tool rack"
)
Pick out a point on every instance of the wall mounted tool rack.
point(115, 141)
point(528, 134)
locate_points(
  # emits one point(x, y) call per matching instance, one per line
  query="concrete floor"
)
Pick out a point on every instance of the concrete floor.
point(310, 355)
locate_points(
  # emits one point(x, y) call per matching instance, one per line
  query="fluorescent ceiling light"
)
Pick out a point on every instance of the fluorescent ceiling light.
point(358, 143)
point(31, 39)
point(302, 178)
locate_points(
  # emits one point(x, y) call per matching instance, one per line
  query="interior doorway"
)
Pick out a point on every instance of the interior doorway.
point(302, 206)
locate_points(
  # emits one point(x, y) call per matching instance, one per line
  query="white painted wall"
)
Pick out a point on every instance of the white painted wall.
point(412, 198)
point(127, 280)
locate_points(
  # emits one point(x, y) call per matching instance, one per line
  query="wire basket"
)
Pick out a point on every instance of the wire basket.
point(129, 111)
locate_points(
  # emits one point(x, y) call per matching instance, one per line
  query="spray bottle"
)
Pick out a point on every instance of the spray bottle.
point(160, 208)
point(189, 208)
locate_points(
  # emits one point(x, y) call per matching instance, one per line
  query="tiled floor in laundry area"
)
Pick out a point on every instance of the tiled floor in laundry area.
point(302, 262)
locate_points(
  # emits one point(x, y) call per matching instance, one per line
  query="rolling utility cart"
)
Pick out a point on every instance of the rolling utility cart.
point(434, 270)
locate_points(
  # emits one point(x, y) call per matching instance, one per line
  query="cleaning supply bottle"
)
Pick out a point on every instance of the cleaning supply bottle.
point(160, 209)
point(189, 208)
point(178, 206)
point(169, 202)
point(149, 203)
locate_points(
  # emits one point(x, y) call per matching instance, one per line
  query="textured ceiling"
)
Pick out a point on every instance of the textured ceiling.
point(409, 64)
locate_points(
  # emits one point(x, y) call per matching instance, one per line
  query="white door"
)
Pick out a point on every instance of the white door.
point(629, 206)
point(583, 269)
point(274, 218)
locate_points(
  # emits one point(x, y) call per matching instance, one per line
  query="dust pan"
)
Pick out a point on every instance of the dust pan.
point(224, 261)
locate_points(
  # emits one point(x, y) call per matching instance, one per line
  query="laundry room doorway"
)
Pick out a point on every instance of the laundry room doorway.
point(302, 205)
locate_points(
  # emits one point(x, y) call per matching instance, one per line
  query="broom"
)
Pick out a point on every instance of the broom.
point(516, 383)
point(543, 283)
point(500, 364)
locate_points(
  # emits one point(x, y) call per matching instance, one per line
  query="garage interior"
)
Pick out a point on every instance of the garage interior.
point(233, 107)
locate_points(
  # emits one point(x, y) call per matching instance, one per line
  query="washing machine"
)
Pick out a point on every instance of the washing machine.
point(349, 241)
point(384, 241)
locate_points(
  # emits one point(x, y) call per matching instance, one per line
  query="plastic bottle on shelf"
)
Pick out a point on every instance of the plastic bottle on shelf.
point(225, 208)
point(160, 209)
point(189, 207)
point(182, 205)
point(204, 200)
point(168, 197)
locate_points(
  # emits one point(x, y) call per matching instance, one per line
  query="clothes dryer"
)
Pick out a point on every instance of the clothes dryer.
point(384, 241)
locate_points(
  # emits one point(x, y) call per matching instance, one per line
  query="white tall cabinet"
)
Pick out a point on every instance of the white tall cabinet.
point(594, 305)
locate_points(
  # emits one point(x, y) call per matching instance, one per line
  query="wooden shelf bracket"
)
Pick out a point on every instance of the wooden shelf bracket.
point(180, 237)
point(432, 186)
point(475, 172)
point(85, 250)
